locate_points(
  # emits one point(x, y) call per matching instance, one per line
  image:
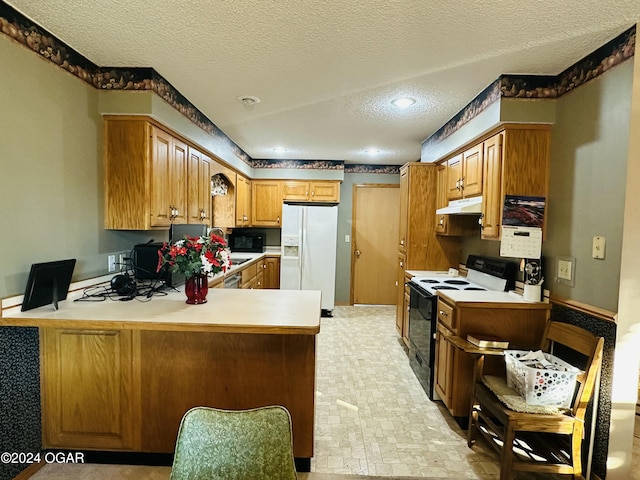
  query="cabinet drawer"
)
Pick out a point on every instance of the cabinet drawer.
point(445, 315)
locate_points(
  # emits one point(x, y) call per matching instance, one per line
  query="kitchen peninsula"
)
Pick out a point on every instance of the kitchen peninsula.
point(118, 376)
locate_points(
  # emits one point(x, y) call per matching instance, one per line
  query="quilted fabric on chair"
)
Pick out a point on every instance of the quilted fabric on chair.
point(216, 444)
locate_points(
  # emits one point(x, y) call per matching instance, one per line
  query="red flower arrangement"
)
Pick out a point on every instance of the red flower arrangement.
point(196, 255)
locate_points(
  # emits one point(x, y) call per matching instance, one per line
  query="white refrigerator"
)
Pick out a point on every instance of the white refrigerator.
point(308, 261)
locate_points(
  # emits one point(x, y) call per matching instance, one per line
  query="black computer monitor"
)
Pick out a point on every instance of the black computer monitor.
point(178, 231)
point(48, 283)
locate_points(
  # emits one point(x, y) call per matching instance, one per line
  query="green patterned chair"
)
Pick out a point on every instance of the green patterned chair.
point(216, 444)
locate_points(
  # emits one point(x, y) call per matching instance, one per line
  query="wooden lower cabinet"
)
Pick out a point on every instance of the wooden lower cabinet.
point(127, 390)
point(521, 324)
point(271, 272)
point(89, 395)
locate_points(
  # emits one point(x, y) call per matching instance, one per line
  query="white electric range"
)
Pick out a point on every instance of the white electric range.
point(485, 275)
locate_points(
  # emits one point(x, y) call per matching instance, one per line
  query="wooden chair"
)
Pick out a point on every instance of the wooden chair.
point(216, 444)
point(548, 442)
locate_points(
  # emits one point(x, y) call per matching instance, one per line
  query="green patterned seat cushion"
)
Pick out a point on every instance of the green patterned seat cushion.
point(234, 445)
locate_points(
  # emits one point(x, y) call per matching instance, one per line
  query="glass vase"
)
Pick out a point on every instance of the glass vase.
point(196, 288)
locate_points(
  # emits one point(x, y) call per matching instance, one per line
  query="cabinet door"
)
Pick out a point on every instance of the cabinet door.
point(205, 190)
point(272, 272)
point(444, 365)
point(454, 178)
point(400, 299)
point(161, 154)
point(441, 201)
point(266, 203)
point(492, 200)
point(325, 192)
point(472, 171)
point(88, 398)
point(243, 202)
point(178, 180)
point(404, 210)
point(199, 187)
point(295, 190)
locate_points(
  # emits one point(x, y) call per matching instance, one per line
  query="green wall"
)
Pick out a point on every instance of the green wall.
point(587, 179)
point(51, 176)
point(589, 149)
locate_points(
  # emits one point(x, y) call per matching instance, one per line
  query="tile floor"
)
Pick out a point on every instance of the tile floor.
point(372, 416)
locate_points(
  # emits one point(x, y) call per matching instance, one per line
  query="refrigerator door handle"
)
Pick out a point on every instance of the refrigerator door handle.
point(303, 240)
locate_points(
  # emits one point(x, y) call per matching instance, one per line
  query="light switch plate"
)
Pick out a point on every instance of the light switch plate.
point(565, 270)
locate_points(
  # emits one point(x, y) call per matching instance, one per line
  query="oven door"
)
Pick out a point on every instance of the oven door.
point(422, 323)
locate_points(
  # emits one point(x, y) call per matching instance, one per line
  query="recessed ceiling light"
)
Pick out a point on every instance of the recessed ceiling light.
point(403, 102)
point(248, 99)
point(280, 150)
point(372, 151)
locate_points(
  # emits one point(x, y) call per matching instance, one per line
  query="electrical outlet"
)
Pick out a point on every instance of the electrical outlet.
point(122, 263)
point(565, 270)
point(111, 263)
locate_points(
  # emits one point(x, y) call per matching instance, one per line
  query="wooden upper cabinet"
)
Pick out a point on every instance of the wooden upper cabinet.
point(295, 190)
point(199, 187)
point(266, 203)
point(404, 209)
point(311, 191)
point(454, 177)
point(243, 201)
point(150, 179)
point(325, 191)
point(441, 200)
point(169, 179)
point(519, 166)
point(492, 201)
point(464, 174)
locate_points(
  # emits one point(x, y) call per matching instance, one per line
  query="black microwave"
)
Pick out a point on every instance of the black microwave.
point(246, 242)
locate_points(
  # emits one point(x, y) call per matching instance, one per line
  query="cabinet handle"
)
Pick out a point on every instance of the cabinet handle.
point(313, 192)
point(462, 183)
point(357, 252)
point(264, 266)
point(402, 242)
point(401, 264)
point(481, 221)
point(278, 220)
point(442, 220)
point(443, 313)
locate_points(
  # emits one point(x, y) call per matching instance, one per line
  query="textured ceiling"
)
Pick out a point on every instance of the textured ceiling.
point(326, 71)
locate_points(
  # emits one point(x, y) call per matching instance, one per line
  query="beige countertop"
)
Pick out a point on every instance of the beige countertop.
point(226, 310)
point(476, 296)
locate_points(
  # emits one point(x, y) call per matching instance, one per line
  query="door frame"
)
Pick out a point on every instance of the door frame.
point(354, 209)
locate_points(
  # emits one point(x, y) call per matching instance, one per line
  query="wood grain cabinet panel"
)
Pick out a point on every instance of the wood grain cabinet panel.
point(517, 163)
point(266, 203)
point(168, 179)
point(419, 248)
point(199, 187)
point(520, 324)
point(272, 272)
point(311, 191)
point(88, 394)
point(147, 176)
point(243, 201)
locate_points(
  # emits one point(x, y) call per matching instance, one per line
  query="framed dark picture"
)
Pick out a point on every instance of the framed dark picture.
point(48, 283)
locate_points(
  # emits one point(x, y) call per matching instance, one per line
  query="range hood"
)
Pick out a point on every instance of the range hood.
point(466, 206)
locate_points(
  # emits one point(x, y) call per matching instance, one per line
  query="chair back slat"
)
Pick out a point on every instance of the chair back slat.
point(584, 342)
